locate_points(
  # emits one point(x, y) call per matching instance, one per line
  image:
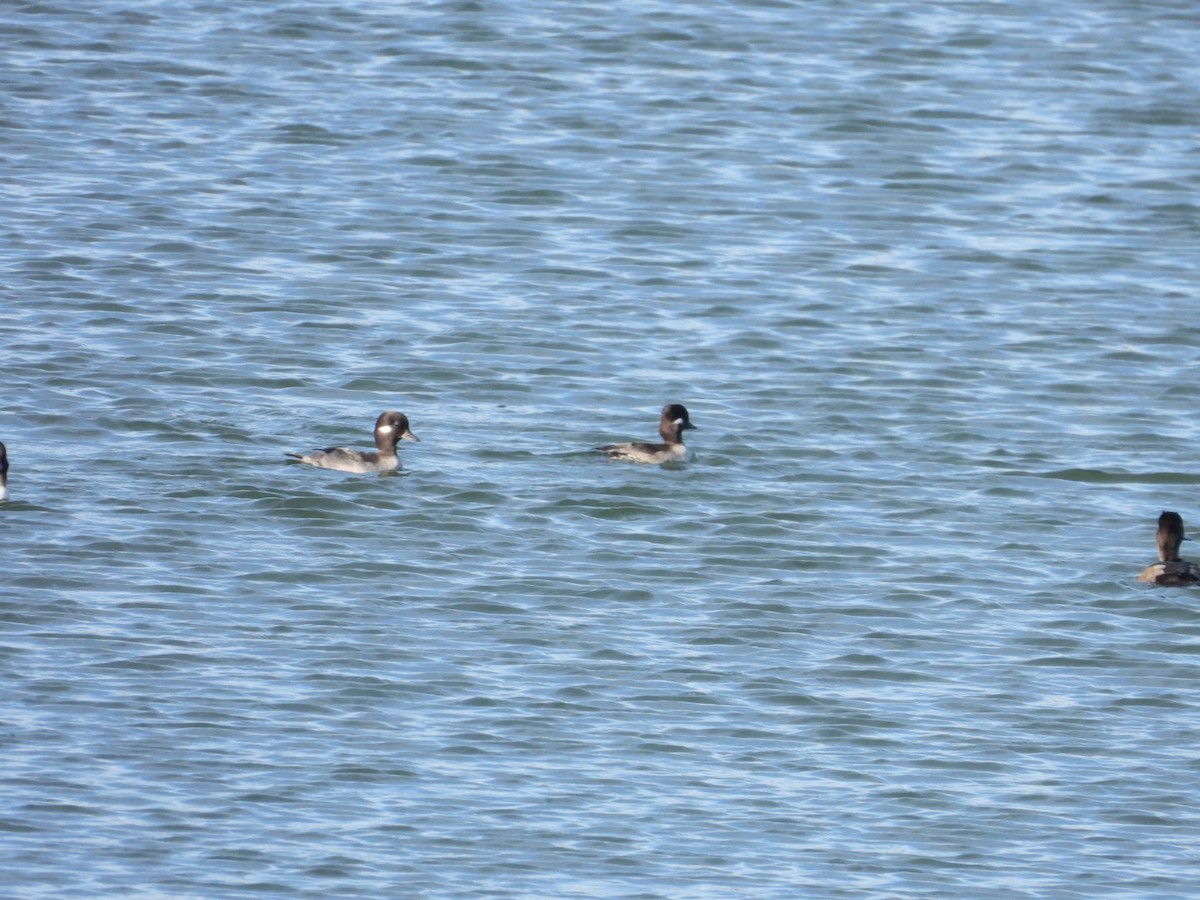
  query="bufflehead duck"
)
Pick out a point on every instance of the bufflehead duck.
point(673, 424)
point(390, 427)
point(1170, 569)
point(3, 472)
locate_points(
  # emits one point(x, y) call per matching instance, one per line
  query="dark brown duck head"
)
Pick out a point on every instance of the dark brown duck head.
point(1170, 535)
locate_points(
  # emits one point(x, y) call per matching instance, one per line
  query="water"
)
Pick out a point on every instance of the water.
point(924, 275)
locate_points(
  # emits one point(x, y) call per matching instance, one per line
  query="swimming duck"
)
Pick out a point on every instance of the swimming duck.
point(671, 426)
point(1170, 569)
point(390, 428)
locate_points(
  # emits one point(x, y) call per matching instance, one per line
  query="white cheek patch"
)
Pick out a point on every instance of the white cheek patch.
point(678, 422)
point(385, 429)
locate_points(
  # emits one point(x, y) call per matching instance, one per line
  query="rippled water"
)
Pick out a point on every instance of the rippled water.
point(925, 276)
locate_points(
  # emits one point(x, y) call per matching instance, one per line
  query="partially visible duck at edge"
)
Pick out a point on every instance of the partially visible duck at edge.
point(3, 472)
point(671, 426)
point(390, 428)
point(1170, 569)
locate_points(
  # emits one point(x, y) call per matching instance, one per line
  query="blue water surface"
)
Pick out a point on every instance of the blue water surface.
point(923, 273)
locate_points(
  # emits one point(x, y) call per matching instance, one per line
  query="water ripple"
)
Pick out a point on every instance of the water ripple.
point(921, 277)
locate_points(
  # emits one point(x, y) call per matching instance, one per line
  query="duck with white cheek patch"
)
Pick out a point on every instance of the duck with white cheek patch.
point(390, 429)
point(671, 426)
